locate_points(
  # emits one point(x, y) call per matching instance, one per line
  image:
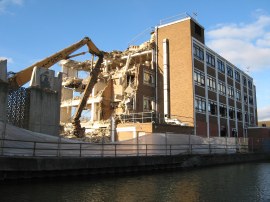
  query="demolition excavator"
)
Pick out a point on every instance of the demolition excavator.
point(19, 79)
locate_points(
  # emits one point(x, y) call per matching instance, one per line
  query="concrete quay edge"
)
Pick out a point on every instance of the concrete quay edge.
point(41, 167)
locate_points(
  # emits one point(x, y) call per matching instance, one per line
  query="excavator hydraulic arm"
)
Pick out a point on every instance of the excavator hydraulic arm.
point(22, 77)
point(78, 131)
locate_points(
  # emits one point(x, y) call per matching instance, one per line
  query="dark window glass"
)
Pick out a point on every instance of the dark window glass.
point(210, 59)
point(221, 66)
point(229, 71)
point(198, 52)
point(237, 76)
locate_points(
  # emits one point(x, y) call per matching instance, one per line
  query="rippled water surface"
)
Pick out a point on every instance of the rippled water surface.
point(245, 182)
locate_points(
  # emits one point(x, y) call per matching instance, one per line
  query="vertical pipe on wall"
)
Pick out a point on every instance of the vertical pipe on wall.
point(156, 68)
point(165, 78)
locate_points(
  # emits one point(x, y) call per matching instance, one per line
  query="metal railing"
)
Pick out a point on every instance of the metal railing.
point(174, 18)
point(148, 117)
point(11, 147)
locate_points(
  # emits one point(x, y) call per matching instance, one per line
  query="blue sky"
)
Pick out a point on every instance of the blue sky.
point(239, 30)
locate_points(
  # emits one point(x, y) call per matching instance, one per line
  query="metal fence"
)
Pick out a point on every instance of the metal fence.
point(18, 107)
point(11, 147)
point(146, 117)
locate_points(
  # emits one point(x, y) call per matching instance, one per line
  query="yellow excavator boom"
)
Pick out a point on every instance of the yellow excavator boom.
point(22, 77)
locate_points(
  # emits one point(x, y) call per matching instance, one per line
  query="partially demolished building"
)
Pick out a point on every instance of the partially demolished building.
point(173, 83)
point(124, 78)
point(171, 80)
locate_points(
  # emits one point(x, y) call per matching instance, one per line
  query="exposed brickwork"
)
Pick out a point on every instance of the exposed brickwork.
point(180, 60)
point(211, 72)
point(213, 126)
point(144, 89)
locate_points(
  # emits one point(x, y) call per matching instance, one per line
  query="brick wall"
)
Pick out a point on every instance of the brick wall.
point(180, 68)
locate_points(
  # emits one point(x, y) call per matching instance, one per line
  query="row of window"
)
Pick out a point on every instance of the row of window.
point(200, 106)
point(211, 84)
point(210, 60)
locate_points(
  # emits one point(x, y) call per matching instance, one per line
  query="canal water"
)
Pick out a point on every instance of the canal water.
point(244, 182)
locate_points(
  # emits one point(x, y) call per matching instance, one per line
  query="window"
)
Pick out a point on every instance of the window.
point(231, 113)
point(245, 98)
point(249, 84)
point(230, 91)
point(198, 52)
point(210, 59)
point(222, 110)
point(238, 95)
point(199, 78)
point(251, 118)
point(211, 82)
point(221, 66)
point(237, 76)
point(229, 71)
point(147, 104)
point(148, 78)
point(200, 104)
point(212, 107)
point(250, 100)
point(222, 88)
point(239, 115)
point(246, 117)
point(244, 81)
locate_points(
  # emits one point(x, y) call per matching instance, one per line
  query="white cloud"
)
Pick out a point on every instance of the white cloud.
point(264, 113)
point(4, 4)
point(243, 44)
point(9, 60)
point(264, 41)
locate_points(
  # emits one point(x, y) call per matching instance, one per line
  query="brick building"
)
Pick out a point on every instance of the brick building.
point(194, 81)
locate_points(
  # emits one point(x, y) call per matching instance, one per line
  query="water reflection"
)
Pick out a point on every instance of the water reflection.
point(246, 182)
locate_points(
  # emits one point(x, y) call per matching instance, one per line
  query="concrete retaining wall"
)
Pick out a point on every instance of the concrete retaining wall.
point(44, 114)
point(26, 167)
point(45, 99)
